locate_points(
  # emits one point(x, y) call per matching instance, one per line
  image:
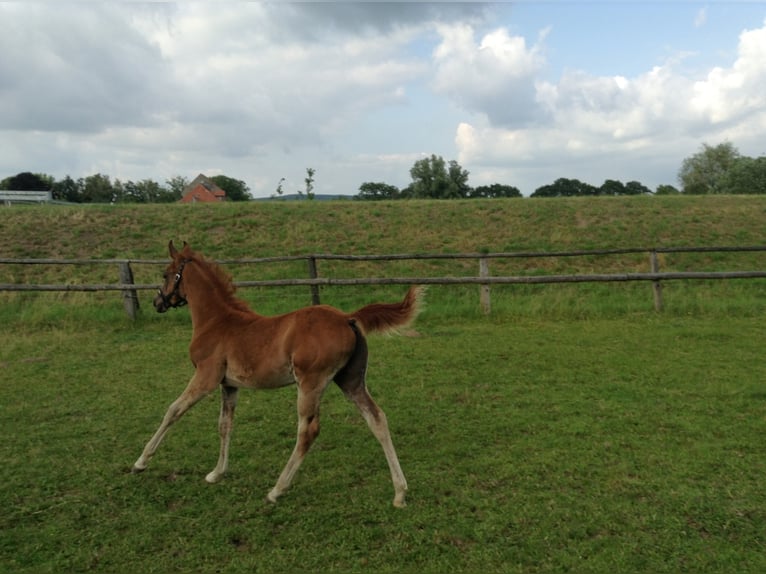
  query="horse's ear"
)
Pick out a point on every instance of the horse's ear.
point(172, 249)
point(186, 248)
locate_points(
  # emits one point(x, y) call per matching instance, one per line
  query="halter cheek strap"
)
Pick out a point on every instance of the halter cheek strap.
point(180, 300)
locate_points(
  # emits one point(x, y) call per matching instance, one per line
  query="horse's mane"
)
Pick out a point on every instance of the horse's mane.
point(221, 282)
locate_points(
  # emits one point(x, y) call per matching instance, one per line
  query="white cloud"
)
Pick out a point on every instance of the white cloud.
point(729, 94)
point(701, 18)
point(601, 125)
point(177, 85)
point(495, 76)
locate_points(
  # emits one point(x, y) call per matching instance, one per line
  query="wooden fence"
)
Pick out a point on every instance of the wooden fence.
point(484, 279)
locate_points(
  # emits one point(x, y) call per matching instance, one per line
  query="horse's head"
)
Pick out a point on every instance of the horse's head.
point(172, 293)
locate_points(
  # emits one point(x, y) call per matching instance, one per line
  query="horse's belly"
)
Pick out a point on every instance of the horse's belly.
point(247, 378)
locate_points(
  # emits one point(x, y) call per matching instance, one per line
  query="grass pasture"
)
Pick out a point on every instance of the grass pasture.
point(529, 446)
point(572, 430)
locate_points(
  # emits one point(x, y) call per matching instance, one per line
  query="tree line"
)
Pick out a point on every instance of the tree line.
point(433, 178)
point(719, 169)
point(100, 188)
point(714, 169)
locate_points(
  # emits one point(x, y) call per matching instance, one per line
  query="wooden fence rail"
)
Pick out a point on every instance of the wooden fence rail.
point(129, 289)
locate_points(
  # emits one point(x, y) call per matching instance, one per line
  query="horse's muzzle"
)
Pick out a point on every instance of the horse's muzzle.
point(160, 303)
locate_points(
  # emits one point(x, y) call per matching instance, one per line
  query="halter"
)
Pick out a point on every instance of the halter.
point(180, 300)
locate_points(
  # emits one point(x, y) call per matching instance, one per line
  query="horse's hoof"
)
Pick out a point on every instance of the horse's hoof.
point(271, 497)
point(213, 477)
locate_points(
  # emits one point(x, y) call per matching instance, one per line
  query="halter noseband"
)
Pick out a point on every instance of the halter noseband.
point(180, 300)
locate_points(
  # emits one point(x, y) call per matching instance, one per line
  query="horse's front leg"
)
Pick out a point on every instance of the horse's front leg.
point(308, 430)
point(225, 421)
point(201, 384)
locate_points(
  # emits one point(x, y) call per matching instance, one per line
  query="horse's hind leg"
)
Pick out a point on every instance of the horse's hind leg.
point(308, 430)
point(199, 386)
point(351, 381)
point(376, 420)
point(228, 404)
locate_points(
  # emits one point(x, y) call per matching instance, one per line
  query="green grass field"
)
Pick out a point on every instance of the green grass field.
point(574, 429)
point(530, 446)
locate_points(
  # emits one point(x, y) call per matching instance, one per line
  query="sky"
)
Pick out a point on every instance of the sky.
point(518, 93)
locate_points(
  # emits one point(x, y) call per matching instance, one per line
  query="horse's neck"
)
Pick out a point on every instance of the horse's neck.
point(203, 311)
point(207, 300)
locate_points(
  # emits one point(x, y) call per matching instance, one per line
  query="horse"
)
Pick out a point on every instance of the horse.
point(233, 347)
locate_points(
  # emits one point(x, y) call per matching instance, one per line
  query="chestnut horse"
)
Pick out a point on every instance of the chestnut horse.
point(234, 347)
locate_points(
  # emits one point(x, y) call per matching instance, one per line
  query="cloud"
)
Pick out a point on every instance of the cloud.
point(189, 81)
point(60, 78)
point(314, 20)
point(358, 91)
point(614, 121)
point(728, 95)
point(701, 18)
point(287, 93)
point(110, 65)
point(494, 76)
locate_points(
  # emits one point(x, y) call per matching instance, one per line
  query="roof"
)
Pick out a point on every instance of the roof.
point(202, 190)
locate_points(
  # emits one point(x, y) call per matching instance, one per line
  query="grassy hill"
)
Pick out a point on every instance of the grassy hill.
point(262, 229)
point(287, 228)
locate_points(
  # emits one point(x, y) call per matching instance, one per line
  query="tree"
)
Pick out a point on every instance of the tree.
point(665, 189)
point(564, 187)
point(612, 187)
point(28, 181)
point(702, 173)
point(121, 191)
point(431, 178)
point(377, 191)
point(236, 189)
point(746, 176)
point(146, 191)
point(176, 186)
point(457, 181)
point(279, 191)
point(309, 181)
point(97, 188)
point(494, 190)
point(67, 189)
point(636, 188)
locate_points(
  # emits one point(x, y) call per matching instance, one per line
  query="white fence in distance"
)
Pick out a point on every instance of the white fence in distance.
point(9, 196)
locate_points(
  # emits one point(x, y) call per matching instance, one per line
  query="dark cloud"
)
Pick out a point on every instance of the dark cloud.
point(312, 20)
point(81, 74)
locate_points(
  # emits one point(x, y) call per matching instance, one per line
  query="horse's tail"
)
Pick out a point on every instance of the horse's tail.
point(387, 317)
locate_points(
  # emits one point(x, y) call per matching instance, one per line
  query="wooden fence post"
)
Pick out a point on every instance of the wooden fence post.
point(484, 297)
point(656, 285)
point(129, 296)
point(313, 275)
